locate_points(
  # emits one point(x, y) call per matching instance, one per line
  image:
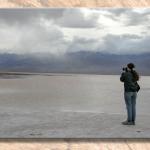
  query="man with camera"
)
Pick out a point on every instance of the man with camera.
point(131, 87)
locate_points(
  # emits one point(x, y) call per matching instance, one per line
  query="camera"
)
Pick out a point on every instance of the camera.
point(125, 69)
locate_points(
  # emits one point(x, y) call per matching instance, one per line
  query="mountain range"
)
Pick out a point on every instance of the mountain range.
point(74, 62)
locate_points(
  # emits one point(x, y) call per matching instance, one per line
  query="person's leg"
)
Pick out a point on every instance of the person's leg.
point(128, 105)
point(134, 96)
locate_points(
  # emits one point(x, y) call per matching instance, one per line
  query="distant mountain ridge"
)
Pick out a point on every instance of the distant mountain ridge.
point(74, 62)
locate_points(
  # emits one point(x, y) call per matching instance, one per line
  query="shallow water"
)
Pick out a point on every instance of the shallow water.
point(74, 92)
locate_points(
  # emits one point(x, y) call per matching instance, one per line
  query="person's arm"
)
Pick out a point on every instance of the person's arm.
point(122, 78)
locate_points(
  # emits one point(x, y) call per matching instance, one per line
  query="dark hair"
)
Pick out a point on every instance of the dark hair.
point(134, 73)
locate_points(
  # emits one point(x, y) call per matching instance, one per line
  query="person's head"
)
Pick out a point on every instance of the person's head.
point(131, 67)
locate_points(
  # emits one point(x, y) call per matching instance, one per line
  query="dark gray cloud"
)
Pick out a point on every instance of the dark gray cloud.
point(75, 18)
point(112, 44)
point(24, 16)
point(126, 44)
point(134, 17)
point(119, 11)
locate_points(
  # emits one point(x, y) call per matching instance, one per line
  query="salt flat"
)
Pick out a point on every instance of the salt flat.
point(70, 106)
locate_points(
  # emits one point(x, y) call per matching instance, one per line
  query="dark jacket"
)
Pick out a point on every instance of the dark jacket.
point(129, 83)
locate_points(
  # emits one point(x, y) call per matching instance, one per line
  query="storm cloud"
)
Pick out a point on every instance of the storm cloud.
point(62, 30)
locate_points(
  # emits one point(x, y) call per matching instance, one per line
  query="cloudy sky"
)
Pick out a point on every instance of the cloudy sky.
point(58, 31)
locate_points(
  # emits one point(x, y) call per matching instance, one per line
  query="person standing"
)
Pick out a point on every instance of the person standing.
point(131, 87)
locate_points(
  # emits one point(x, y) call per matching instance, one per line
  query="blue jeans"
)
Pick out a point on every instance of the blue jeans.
point(130, 100)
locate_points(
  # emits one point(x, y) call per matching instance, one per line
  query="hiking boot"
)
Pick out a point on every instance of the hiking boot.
point(127, 123)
